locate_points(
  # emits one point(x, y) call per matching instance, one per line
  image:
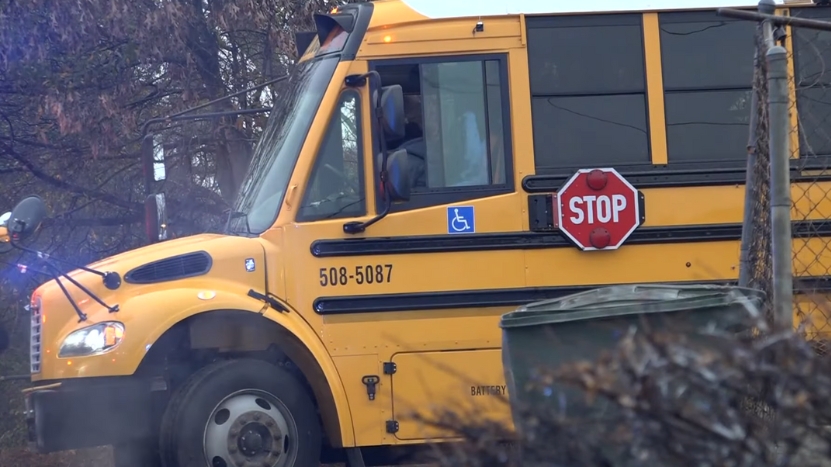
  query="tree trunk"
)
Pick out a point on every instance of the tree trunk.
point(233, 153)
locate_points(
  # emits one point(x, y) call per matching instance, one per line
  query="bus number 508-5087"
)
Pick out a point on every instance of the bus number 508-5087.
point(369, 274)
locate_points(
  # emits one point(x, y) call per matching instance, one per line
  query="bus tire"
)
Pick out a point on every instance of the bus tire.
point(237, 410)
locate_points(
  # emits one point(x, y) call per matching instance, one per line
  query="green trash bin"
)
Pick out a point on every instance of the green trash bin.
point(545, 335)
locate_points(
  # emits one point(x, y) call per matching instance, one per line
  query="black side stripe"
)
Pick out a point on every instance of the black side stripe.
point(671, 178)
point(534, 240)
point(425, 301)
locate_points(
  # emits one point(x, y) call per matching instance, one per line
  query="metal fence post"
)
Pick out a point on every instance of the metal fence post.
point(781, 247)
point(749, 221)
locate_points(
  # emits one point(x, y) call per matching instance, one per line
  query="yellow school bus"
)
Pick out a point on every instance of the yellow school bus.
point(398, 203)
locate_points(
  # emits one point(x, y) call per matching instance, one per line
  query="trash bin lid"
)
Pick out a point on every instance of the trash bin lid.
point(630, 299)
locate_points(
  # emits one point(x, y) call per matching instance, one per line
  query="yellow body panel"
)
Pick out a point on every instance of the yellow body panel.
point(655, 85)
point(440, 353)
point(166, 306)
point(429, 383)
point(150, 311)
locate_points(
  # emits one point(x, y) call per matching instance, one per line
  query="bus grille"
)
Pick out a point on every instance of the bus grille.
point(34, 339)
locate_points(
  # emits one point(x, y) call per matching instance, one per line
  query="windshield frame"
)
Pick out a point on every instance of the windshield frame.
point(263, 190)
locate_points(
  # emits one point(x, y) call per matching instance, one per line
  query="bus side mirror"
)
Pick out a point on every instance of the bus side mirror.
point(26, 217)
point(5, 245)
point(398, 176)
point(155, 222)
point(392, 105)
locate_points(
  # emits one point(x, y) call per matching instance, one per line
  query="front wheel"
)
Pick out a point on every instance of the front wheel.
point(239, 413)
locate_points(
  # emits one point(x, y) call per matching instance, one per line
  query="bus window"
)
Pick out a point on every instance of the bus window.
point(812, 64)
point(588, 91)
point(707, 62)
point(336, 187)
point(455, 130)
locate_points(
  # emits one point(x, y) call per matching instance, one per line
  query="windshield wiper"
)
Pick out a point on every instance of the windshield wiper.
point(345, 207)
point(232, 215)
point(335, 198)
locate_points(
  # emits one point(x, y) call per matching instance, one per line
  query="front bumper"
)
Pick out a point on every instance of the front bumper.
point(89, 412)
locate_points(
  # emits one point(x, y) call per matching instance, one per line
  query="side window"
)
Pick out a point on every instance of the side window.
point(336, 185)
point(707, 63)
point(812, 66)
point(588, 91)
point(455, 123)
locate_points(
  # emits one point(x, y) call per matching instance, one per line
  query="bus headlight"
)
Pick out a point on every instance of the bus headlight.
point(92, 340)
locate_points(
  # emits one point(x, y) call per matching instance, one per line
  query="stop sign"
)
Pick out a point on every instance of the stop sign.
point(598, 209)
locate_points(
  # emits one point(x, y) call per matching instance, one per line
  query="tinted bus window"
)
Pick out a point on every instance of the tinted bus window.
point(588, 91)
point(707, 64)
point(812, 66)
point(455, 122)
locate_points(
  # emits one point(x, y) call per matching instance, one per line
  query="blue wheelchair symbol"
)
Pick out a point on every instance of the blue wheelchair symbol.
point(250, 265)
point(460, 219)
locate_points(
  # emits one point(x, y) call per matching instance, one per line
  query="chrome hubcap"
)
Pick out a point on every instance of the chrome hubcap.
point(250, 428)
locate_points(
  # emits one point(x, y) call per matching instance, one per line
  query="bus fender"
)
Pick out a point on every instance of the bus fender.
point(310, 349)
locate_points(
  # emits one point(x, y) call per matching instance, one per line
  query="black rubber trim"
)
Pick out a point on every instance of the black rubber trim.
point(79, 414)
point(660, 178)
point(425, 301)
point(535, 240)
point(363, 12)
point(803, 285)
point(437, 300)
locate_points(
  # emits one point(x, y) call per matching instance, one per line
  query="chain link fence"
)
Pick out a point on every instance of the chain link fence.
point(807, 42)
point(811, 148)
point(757, 265)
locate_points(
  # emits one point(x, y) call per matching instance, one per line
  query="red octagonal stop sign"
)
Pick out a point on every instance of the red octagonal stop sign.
point(598, 209)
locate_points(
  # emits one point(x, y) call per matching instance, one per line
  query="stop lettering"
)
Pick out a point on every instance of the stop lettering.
point(598, 209)
point(603, 208)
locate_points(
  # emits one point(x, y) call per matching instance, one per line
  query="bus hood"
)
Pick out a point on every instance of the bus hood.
point(185, 262)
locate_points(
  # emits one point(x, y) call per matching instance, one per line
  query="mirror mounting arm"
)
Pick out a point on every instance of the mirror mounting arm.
point(55, 275)
point(356, 227)
point(26, 219)
point(110, 279)
point(55, 272)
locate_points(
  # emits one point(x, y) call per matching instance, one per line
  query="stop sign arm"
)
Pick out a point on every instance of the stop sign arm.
point(596, 209)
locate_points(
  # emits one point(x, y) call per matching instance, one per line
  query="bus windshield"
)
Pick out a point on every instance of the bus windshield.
point(261, 194)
